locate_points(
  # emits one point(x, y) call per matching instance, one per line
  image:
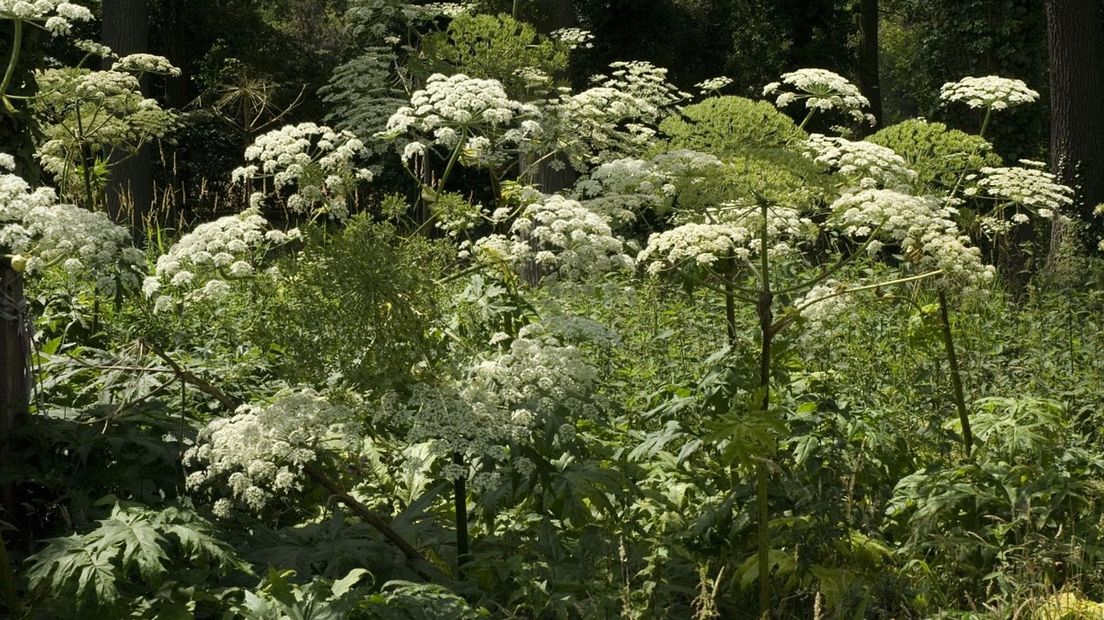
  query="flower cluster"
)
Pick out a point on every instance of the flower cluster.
point(1036, 190)
point(616, 117)
point(569, 238)
point(318, 161)
point(470, 114)
point(57, 16)
point(40, 233)
point(262, 450)
point(735, 231)
point(202, 263)
point(822, 306)
point(574, 37)
point(921, 227)
point(621, 188)
point(146, 63)
point(504, 398)
point(822, 90)
point(124, 120)
point(988, 92)
point(860, 160)
point(713, 85)
point(694, 246)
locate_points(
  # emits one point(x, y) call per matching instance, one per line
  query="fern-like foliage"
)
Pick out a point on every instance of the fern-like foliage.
point(363, 93)
point(133, 558)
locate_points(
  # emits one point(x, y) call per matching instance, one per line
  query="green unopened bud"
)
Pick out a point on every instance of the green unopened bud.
point(18, 263)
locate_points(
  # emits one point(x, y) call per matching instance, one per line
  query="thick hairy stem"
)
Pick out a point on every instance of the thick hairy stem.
point(956, 376)
point(372, 518)
point(766, 332)
point(761, 484)
point(461, 500)
point(730, 308)
point(13, 61)
point(86, 164)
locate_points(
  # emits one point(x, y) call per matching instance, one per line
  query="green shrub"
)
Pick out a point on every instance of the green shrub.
point(726, 126)
point(359, 304)
point(938, 154)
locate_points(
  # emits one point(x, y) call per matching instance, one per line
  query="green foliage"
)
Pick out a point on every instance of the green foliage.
point(726, 126)
point(356, 306)
point(493, 47)
point(929, 42)
point(940, 156)
point(136, 561)
point(362, 93)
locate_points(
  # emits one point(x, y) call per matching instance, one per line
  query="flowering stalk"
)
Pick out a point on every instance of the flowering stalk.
point(17, 45)
point(766, 333)
point(461, 501)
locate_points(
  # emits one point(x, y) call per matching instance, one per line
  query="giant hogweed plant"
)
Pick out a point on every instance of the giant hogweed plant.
point(747, 248)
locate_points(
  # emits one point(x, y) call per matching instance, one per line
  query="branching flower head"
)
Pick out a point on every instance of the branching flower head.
point(988, 92)
point(319, 162)
point(713, 85)
point(574, 37)
point(259, 453)
point(203, 263)
point(1035, 190)
point(470, 114)
point(821, 90)
point(57, 16)
point(860, 160)
point(921, 227)
point(41, 233)
point(567, 237)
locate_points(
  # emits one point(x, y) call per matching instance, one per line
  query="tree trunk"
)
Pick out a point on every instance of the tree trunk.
point(869, 77)
point(15, 384)
point(1075, 38)
point(16, 139)
point(130, 189)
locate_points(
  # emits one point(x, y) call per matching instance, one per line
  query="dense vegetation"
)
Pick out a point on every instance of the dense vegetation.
point(447, 310)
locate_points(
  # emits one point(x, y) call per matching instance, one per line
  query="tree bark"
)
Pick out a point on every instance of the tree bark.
point(1075, 39)
point(16, 139)
point(15, 384)
point(869, 77)
point(130, 189)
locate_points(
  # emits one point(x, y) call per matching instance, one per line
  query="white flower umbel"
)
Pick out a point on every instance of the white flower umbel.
point(318, 162)
point(713, 85)
point(989, 92)
point(202, 263)
point(90, 119)
point(259, 452)
point(860, 160)
point(822, 90)
point(695, 246)
point(921, 227)
point(566, 237)
point(500, 399)
point(1031, 189)
point(616, 117)
point(146, 63)
point(471, 117)
point(43, 233)
point(734, 232)
point(57, 16)
point(574, 37)
point(622, 188)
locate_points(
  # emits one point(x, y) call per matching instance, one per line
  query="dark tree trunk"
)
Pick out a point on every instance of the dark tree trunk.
point(1075, 37)
point(869, 77)
point(15, 385)
point(16, 139)
point(555, 14)
point(130, 189)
